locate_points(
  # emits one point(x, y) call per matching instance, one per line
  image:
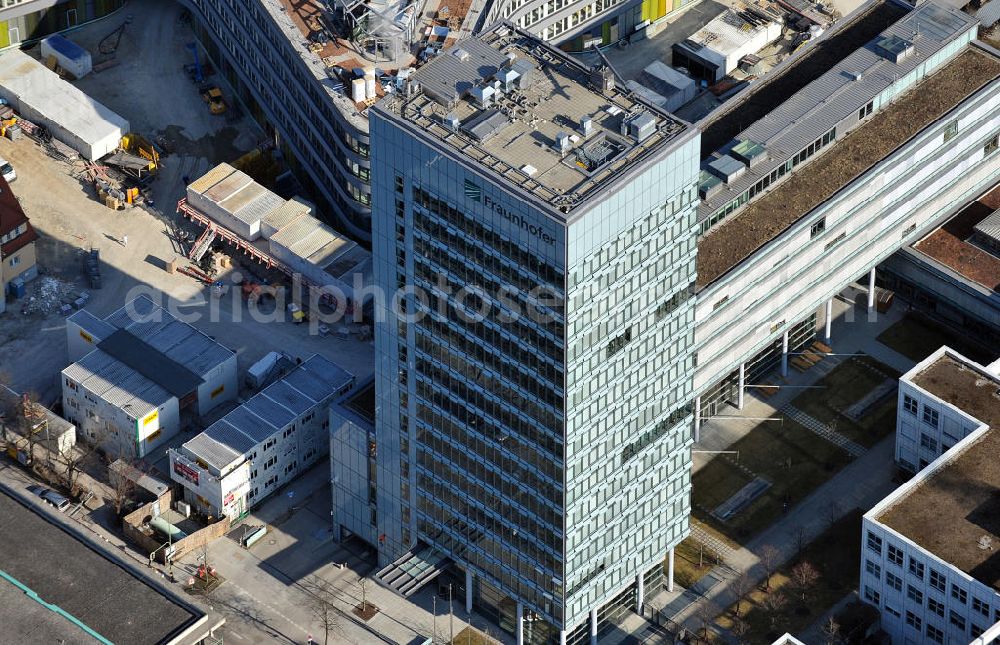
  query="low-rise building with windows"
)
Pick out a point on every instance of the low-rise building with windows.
point(928, 556)
point(17, 246)
point(254, 450)
point(137, 373)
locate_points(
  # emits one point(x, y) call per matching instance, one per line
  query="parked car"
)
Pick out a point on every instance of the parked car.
point(60, 502)
point(7, 170)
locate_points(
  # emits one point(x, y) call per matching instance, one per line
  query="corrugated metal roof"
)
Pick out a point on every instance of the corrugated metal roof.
point(842, 91)
point(118, 384)
point(145, 359)
point(287, 213)
point(92, 324)
point(449, 76)
point(989, 14)
point(228, 187)
point(211, 178)
point(269, 411)
point(990, 226)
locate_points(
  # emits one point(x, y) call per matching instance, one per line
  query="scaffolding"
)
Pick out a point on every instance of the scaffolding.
point(383, 29)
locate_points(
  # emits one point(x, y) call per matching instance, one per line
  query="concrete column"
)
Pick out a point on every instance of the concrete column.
point(871, 290)
point(468, 591)
point(593, 626)
point(829, 320)
point(639, 592)
point(562, 637)
point(697, 419)
point(519, 624)
point(743, 385)
point(784, 354)
point(670, 570)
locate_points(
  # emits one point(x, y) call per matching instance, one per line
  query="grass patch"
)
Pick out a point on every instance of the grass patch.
point(845, 385)
point(691, 562)
point(834, 555)
point(917, 337)
point(791, 457)
point(472, 636)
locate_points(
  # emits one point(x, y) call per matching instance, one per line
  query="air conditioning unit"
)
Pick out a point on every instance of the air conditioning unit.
point(183, 508)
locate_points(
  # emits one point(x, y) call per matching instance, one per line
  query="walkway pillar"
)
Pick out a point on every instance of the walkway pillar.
point(670, 570)
point(468, 591)
point(697, 419)
point(593, 626)
point(784, 354)
point(829, 320)
point(743, 384)
point(639, 592)
point(519, 624)
point(871, 290)
point(562, 637)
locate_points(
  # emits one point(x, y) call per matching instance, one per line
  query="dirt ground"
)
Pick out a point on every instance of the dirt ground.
point(150, 89)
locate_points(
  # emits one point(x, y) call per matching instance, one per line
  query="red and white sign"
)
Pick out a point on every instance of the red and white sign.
point(186, 472)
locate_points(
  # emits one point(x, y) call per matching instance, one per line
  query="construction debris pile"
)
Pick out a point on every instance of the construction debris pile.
point(49, 295)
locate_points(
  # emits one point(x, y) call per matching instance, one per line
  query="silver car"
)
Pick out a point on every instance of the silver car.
point(60, 502)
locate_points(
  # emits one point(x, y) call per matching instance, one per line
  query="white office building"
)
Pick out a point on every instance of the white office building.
point(928, 556)
point(137, 373)
point(263, 444)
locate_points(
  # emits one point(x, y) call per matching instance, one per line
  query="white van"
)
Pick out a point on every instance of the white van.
point(7, 170)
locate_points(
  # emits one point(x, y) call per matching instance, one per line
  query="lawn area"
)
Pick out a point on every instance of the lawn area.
point(835, 556)
point(691, 562)
point(845, 385)
point(472, 636)
point(791, 457)
point(917, 337)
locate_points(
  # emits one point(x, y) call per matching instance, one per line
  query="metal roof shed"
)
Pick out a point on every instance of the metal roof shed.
point(39, 95)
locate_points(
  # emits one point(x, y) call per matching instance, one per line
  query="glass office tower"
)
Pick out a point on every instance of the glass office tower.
point(534, 240)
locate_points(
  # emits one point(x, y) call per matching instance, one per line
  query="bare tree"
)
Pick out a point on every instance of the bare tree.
point(705, 614)
point(804, 577)
point(741, 630)
point(773, 604)
point(322, 597)
point(831, 631)
point(769, 555)
point(123, 485)
point(362, 582)
point(800, 538)
point(741, 586)
point(833, 513)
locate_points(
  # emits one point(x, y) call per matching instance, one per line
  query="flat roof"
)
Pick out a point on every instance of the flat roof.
point(67, 571)
point(959, 502)
point(151, 363)
point(268, 412)
point(840, 93)
point(753, 104)
point(765, 218)
point(537, 96)
point(949, 244)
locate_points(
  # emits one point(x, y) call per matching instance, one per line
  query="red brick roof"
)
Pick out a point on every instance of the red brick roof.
point(12, 216)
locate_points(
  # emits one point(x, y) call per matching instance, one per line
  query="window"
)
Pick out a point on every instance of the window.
point(873, 569)
point(980, 606)
point(991, 145)
point(959, 594)
point(912, 620)
point(871, 595)
point(976, 630)
point(935, 634)
point(720, 303)
point(917, 568)
point(938, 581)
point(930, 416)
point(935, 606)
point(956, 619)
point(866, 110)
point(928, 442)
point(817, 227)
point(910, 404)
point(874, 543)
point(893, 581)
point(895, 555)
point(892, 610)
point(951, 130)
point(16, 260)
point(914, 594)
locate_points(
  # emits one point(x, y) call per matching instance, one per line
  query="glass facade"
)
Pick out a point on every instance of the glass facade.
point(534, 374)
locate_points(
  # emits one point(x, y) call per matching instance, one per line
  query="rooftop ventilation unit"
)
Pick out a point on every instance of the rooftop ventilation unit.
point(451, 121)
point(511, 57)
point(460, 54)
point(482, 96)
point(603, 79)
point(749, 152)
point(726, 168)
point(894, 48)
point(639, 126)
point(586, 125)
point(563, 143)
point(508, 78)
point(526, 69)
